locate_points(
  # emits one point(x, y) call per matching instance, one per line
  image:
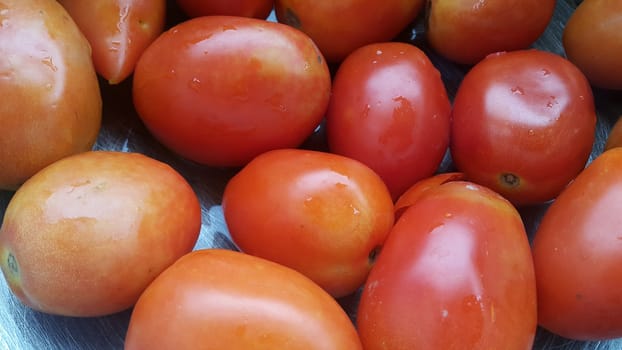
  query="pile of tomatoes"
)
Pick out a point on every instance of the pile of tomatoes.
point(369, 204)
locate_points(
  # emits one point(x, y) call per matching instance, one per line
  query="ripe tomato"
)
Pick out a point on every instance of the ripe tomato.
point(523, 124)
point(320, 213)
point(220, 90)
point(118, 31)
point(222, 299)
point(455, 273)
point(592, 40)
point(414, 192)
point(389, 109)
point(340, 27)
point(87, 234)
point(466, 31)
point(614, 139)
point(577, 255)
point(245, 8)
point(51, 103)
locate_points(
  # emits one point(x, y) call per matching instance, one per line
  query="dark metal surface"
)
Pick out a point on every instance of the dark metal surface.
point(24, 329)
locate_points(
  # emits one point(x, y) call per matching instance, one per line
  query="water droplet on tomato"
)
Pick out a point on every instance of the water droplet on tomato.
point(378, 52)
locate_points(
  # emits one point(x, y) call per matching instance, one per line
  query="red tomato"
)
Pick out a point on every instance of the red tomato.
point(219, 90)
point(578, 254)
point(466, 31)
point(523, 124)
point(389, 109)
point(118, 31)
point(221, 299)
point(245, 8)
point(417, 190)
point(592, 40)
point(340, 27)
point(322, 214)
point(455, 273)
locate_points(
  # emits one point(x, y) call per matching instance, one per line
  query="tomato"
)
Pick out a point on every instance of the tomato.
point(454, 273)
point(222, 299)
point(87, 234)
point(389, 109)
point(577, 255)
point(118, 31)
point(523, 124)
point(245, 8)
point(592, 39)
point(319, 213)
point(220, 90)
point(614, 138)
point(51, 103)
point(340, 27)
point(414, 192)
point(467, 31)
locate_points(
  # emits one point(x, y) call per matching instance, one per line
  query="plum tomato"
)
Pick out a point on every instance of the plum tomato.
point(86, 235)
point(118, 31)
point(340, 27)
point(455, 273)
point(224, 299)
point(592, 40)
point(414, 192)
point(466, 31)
point(577, 254)
point(523, 124)
point(323, 214)
point(244, 8)
point(51, 103)
point(389, 109)
point(220, 90)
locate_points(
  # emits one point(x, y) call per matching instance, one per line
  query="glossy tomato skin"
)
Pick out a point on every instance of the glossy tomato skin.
point(51, 105)
point(340, 27)
point(577, 255)
point(320, 213)
point(414, 192)
point(467, 31)
point(221, 299)
point(219, 90)
point(389, 109)
point(523, 124)
point(455, 273)
point(245, 8)
point(592, 40)
point(118, 31)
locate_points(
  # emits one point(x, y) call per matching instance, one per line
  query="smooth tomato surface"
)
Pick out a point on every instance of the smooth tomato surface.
point(466, 31)
point(220, 90)
point(414, 192)
point(221, 299)
point(578, 254)
point(340, 27)
point(389, 109)
point(523, 124)
point(454, 273)
point(245, 8)
point(320, 213)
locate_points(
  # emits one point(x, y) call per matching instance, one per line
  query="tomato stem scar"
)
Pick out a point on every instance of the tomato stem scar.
point(509, 180)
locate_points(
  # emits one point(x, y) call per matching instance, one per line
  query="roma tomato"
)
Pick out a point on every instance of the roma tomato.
point(455, 273)
point(340, 27)
point(592, 40)
point(577, 255)
point(222, 299)
point(51, 103)
point(320, 213)
point(87, 234)
point(389, 109)
point(523, 124)
point(118, 31)
point(244, 8)
point(466, 31)
point(414, 192)
point(219, 90)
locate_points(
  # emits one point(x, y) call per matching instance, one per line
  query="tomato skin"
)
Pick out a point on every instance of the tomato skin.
point(221, 299)
point(359, 22)
point(220, 90)
point(592, 40)
point(245, 8)
point(414, 192)
point(577, 255)
point(523, 124)
point(320, 213)
point(389, 109)
point(467, 31)
point(455, 273)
